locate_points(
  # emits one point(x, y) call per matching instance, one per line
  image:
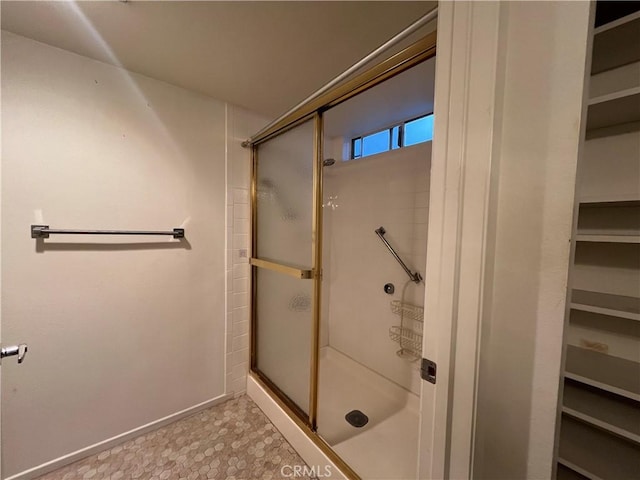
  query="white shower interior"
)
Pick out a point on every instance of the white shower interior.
point(360, 368)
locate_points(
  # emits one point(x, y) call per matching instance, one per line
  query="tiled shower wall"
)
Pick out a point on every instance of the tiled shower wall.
point(390, 189)
point(241, 124)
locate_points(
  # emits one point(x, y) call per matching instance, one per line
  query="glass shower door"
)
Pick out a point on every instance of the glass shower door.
point(282, 264)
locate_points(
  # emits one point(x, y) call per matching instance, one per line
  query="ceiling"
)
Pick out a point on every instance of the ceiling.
point(265, 56)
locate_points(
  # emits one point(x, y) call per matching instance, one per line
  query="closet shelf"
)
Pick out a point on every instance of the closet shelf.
point(612, 374)
point(610, 97)
point(618, 79)
point(616, 43)
point(621, 200)
point(607, 238)
point(606, 411)
point(614, 109)
point(596, 454)
point(581, 472)
point(606, 304)
point(596, 422)
point(620, 22)
point(567, 473)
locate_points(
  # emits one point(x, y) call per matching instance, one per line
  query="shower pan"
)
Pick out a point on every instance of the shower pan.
point(311, 352)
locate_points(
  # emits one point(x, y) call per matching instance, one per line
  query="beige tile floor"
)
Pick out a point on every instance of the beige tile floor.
point(231, 441)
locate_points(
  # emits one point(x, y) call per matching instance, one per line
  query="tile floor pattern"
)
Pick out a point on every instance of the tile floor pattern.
point(230, 441)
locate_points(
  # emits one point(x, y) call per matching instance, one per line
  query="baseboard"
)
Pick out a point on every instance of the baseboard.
point(118, 439)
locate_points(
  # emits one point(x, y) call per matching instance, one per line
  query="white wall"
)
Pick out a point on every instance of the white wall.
point(536, 144)
point(390, 189)
point(122, 331)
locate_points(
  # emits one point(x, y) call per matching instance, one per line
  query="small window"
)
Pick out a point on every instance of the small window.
point(405, 134)
point(375, 143)
point(418, 131)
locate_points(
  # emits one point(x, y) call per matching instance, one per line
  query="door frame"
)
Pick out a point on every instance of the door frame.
point(459, 223)
point(490, 67)
point(1, 476)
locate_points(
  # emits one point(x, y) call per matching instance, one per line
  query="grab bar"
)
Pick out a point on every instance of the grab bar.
point(43, 231)
point(415, 277)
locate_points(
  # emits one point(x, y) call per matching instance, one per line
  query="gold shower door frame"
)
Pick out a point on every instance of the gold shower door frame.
point(418, 52)
point(315, 274)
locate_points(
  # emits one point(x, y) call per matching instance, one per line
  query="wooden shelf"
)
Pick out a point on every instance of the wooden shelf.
point(606, 304)
point(567, 473)
point(602, 238)
point(597, 454)
point(629, 200)
point(616, 43)
point(620, 223)
point(617, 95)
point(612, 374)
point(617, 23)
point(575, 470)
point(609, 412)
point(614, 109)
point(621, 78)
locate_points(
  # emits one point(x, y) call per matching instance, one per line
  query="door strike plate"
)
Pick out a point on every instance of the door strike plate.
point(428, 370)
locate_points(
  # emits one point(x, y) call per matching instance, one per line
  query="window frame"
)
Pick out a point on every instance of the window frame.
point(401, 138)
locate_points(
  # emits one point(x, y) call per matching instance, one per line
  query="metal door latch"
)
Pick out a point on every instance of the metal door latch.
point(428, 370)
point(19, 350)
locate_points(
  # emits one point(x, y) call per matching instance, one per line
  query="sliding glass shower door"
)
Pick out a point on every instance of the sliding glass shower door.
point(283, 264)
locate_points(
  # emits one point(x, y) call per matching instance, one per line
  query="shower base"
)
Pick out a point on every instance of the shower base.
point(387, 446)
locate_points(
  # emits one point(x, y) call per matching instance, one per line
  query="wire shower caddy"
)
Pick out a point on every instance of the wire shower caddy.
point(409, 333)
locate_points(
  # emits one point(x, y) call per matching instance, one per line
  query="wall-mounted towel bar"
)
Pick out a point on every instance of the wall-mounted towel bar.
point(415, 277)
point(43, 231)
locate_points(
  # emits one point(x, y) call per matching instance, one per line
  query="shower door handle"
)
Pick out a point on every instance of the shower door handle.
point(19, 350)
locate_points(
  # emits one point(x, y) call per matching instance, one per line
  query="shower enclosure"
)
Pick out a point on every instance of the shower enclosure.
point(338, 248)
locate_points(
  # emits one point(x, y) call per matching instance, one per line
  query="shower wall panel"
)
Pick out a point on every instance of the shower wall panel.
point(391, 190)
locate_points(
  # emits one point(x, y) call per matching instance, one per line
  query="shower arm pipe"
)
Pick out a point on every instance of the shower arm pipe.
point(422, 21)
point(415, 277)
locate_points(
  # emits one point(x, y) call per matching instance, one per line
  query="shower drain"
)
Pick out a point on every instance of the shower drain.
point(356, 418)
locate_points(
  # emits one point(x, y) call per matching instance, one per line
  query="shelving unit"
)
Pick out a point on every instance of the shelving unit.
point(604, 238)
point(614, 109)
point(600, 428)
point(596, 454)
point(606, 304)
point(613, 200)
point(612, 413)
point(606, 372)
point(615, 44)
point(567, 473)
